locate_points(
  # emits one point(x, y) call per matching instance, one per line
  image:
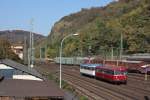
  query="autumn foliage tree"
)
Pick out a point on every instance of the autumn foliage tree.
point(6, 52)
point(101, 29)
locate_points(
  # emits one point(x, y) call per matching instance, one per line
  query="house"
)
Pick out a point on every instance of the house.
point(19, 82)
point(18, 50)
point(13, 70)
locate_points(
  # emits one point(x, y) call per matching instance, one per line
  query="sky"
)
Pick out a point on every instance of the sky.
point(17, 14)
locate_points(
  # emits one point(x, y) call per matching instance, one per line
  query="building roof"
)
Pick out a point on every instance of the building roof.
point(29, 88)
point(21, 67)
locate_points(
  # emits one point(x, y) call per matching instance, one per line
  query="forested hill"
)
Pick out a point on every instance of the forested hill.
point(18, 36)
point(101, 28)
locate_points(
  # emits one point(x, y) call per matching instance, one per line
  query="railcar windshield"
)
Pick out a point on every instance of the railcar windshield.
point(117, 72)
point(88, 68)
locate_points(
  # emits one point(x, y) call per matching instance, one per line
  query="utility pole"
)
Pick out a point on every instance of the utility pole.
point(31, 48)
point(40, 54)
point(45, 53)
point(25, 51)
point(29, 57)
point(32, 52)
point(32, 44)
point(121, 46)
point(112, 53)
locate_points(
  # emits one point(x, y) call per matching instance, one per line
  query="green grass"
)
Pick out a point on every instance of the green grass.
point(83, 98)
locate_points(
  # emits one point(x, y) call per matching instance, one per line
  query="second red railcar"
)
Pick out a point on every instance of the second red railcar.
point(112, 73)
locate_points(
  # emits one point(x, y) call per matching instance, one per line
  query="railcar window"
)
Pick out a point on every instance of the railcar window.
point(99, 70)
point(109, 72)
point(81, 67)
point(89, 68)
point(92, 68)
point(96, 70)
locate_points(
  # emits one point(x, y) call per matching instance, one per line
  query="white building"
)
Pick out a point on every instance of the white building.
point(18, 50)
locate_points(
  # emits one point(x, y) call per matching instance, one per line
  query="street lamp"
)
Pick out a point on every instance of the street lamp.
point(61, 53)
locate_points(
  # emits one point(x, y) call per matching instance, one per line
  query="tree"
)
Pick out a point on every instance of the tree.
point(6, 52)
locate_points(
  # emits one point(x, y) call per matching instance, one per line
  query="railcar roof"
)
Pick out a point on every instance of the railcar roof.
point(90, 65)
point(112, 67)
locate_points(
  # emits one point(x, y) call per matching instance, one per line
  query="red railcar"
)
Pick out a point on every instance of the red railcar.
point(132, 66)
point(112, 73)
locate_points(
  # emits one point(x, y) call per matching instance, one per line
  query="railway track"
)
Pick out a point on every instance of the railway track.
point(140, 77)
point(124, 91)
point(134, 88)
point(87, 90)
point(136, 80)
point(132, 76)
point(137, 74)
point(100, 92)
point(143, 87)
point(94, 89)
